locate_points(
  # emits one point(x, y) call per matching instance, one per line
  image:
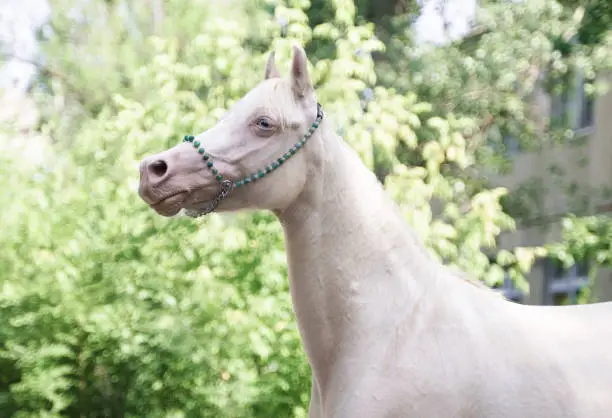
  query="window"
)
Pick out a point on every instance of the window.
point(587, 111)
point(574, 106)
point(563, 286)
point(585, 105)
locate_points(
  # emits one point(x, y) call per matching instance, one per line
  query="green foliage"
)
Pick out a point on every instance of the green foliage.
point(493, 74)
point(585, 238)
point(597, 19)
point(479, 91)
point(107, 315)
point(111, 310)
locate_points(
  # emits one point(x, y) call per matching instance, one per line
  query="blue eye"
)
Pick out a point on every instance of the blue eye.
point(264, 123)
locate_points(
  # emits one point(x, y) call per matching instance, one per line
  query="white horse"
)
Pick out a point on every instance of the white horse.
point(388, 331)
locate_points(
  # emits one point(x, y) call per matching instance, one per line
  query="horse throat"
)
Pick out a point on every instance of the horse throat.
point(355, 268)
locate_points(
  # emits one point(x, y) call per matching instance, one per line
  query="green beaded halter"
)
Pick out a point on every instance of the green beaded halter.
point(228, 185)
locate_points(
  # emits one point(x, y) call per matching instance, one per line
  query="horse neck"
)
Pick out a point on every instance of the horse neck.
point(355, 268)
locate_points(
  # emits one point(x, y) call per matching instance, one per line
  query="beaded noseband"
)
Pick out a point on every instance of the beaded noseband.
point(228, 185)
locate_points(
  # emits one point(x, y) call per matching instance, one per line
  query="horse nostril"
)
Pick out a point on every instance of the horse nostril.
point(158, 168)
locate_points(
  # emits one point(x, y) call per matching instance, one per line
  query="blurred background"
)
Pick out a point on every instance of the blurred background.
point(489, 122)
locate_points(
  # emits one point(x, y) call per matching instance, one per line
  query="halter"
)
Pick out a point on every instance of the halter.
point(228, 185)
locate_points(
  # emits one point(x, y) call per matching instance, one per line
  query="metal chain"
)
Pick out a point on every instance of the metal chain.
point(226, 188)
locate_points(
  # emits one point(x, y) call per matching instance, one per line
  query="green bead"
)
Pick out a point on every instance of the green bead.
point(209, 164)
point(292, 151)
point(287, 155)
point(280, 161)
point(268, 169)
point(215, 171)
point(261, 174)
point(246, 181)
point(219, 177)
point(186, 138)
point(191, 138)
point(316, 125)
point(274, 165)
point(238, 183)
point(196, 144)
point(201, 150)
point(206, 157)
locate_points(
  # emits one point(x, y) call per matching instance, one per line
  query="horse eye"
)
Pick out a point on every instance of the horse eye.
point(264, 123)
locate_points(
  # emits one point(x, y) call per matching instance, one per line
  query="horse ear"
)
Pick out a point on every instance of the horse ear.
point(271, 71)
point(300, 78)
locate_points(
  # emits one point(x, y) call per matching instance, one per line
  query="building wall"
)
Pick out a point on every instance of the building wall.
point(586, 166)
